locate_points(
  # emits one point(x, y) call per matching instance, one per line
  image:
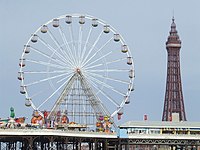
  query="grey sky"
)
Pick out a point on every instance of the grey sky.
point(144, 25)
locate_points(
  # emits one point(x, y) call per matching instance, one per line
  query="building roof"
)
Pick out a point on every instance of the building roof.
point(160, 124)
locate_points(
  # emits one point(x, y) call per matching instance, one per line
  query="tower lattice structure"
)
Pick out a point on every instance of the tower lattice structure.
point(173, 103)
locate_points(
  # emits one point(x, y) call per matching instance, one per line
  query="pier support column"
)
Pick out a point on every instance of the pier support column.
point(51, 140)
point(95, 144)
point(105, 145)
point(30, 143)
point(91, 145)
point(126, 147)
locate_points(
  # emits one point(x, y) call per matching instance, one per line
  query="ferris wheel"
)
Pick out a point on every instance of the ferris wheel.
point(73, 58)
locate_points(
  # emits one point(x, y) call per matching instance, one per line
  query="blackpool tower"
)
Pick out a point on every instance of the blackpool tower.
point(173, 104)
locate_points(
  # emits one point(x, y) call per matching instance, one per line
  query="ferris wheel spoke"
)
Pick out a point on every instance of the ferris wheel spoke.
point(73, 44)
point(66, 45)
point(79, 43)
point(104, 94)
point(53, 94)
point(116, 60)
point(64, 78)
point(97, 65)
point(48, 56)
point(107, 63)
point(57, 44)
point(92, 48)
point(54, 51)
point(85, 45)
point(112, 79)
point(105, 84)
point(100, 58)
point(48, 64)
point(39, 92)
point(46, 79)
point(85, 64)
point(109, 70)
point(44, 72)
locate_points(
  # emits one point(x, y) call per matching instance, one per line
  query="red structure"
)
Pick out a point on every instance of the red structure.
point(173, 103)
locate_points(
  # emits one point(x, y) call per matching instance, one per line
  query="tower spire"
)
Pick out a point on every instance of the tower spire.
point(173, 30)
point(173, 104)
point(173, 21)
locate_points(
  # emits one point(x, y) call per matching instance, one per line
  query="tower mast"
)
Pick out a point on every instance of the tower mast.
point(173, 103)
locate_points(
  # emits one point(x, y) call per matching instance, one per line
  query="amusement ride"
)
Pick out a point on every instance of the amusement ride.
point(76, 71)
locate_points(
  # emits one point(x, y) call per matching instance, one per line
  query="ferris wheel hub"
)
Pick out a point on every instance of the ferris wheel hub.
point(78, 70)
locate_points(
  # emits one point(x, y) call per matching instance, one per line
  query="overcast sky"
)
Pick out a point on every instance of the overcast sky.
point(144, 25)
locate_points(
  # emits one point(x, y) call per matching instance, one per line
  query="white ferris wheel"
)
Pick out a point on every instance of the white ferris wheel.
point(77, 64)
